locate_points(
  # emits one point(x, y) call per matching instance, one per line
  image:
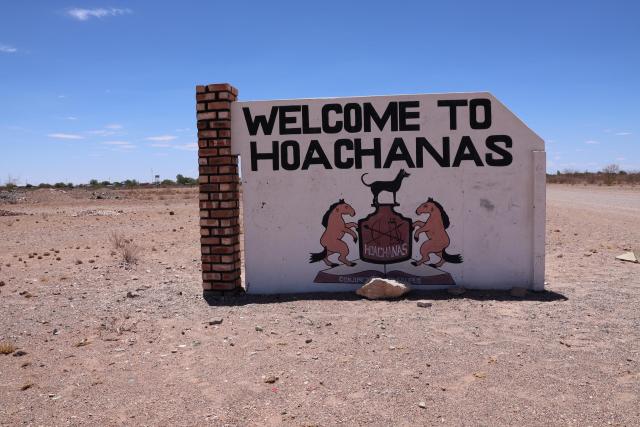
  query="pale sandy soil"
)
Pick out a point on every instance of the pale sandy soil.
point(569, 356)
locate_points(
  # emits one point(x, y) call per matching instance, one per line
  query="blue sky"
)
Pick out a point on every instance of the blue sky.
point(105, 89)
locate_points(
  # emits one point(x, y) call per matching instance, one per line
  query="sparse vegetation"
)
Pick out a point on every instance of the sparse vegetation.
point(117, 240)
point(130, 253)
point(7, 348)
point(183, 180)
point(609, 175)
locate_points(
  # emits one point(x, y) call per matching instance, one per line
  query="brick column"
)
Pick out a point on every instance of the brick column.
point(219, 190)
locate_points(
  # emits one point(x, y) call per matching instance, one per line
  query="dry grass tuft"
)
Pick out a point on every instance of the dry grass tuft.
point(7, 348)
point(130, 253)
point(117, 239)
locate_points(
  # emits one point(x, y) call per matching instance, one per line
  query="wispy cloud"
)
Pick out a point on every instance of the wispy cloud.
point(86, 14)
point(65, 136)
point(160, 145)
point(111, 129)
point(591, 141)
point(623, 133)
point(188, 147)
point(71, 118)
point(7, 49)
point(120, 144)
point(161, 138)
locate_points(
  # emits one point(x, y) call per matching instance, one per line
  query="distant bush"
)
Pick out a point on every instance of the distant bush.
point(609, 175)
point(130, 183)
point(167, 182)
point(183, 180)
point(93, 182)
point(59, 185)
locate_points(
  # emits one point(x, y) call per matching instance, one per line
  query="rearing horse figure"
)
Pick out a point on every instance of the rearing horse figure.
point(435, 229)
point(336, 228)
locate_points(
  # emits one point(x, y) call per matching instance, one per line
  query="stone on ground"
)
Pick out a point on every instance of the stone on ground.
point(377, 288)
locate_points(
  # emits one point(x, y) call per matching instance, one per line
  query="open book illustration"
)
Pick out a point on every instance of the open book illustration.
point(404, 272)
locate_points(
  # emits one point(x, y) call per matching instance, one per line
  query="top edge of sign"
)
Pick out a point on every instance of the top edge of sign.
point(366, 96)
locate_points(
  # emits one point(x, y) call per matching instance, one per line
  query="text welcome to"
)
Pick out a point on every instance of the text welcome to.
point(363, 118)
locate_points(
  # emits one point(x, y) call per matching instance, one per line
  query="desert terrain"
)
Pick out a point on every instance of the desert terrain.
point(94, 340)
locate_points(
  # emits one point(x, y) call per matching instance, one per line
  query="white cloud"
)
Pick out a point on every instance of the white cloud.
point(7, 49)
point(65, 136)
point(189, 147)
point(591, 141)
point(114, 126)
point(71, 118)
point(86, 14)
point(161, 138)
point(623, 133)
point(621, 159)
point(121, 143)
point(160, 145)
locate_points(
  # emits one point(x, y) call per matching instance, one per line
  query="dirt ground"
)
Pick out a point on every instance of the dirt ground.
point(100, 343)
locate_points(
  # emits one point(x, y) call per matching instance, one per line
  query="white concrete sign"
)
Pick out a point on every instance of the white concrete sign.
point(430, 190)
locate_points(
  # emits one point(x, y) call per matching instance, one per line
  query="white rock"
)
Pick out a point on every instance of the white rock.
point(377, 288)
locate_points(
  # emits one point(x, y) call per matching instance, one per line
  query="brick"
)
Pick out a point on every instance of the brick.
point(201, 89)
point(224, 213)
point(212, 276)
point(220, 160)
point(219, 105)
point(208, 133)
point(221, 250)
point(220, 142)
point(201, 107)
point(220, 87)
point(222, 267)
point(210, 241)
point(224, 115)
point(209, 188)
point(220, 124)
point(203, 161)
point(206, 116)
point(231, 276)
point(204, 231)
point(205, 97)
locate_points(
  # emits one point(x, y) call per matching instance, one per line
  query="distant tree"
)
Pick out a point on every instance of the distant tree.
point(44, 185)
point(28, 186)
point(131, 183)
point(93, 182)
point(59, 185)
point(105, 183)
point(168, 182)
point(610, 171)
point(117, 184)
point(69, 185)
point(183, 180)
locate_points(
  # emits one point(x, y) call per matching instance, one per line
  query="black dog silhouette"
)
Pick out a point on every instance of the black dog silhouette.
point(391, 186)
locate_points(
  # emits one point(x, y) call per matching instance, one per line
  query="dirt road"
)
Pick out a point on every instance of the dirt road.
point(99, 343)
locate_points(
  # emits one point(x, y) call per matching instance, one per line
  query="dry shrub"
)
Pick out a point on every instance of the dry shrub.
point(117, 240)
point(130, 253)
point(7, 348)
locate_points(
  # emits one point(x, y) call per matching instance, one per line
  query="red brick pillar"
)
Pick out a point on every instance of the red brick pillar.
point(219, 190)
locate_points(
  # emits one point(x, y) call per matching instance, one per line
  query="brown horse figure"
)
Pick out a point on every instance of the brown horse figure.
point(435, 228)
point(335, 230)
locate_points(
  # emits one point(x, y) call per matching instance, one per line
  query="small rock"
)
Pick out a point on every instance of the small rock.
point(423, 405)
point(308, 341)
point(131, 294)
point(377, 288)
point(19, 353)
point(270, 379)
point(216, 321)
point(519, 292)
point(2, 283)
point(172, 213)
point(424, 304)
point(456, 290)
point(259, 328)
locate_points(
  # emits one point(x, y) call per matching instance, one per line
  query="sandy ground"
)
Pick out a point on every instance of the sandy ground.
point(99, 343)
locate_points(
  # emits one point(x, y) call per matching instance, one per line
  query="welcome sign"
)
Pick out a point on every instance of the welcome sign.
point(431, 190)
